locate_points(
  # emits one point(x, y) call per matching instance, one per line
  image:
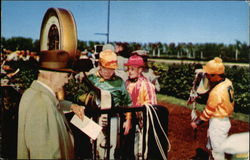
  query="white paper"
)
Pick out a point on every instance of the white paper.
point(105, 99)
point(87, 126)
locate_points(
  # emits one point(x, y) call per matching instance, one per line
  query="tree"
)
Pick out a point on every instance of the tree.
point(237, 49)
point(172, 48)
point(36, 46)
point(153, 47)
point(3, 43)
point(190, 50)
point(244, 52)
point(165, 48)
point(91, 44)
point(19, 43)
point(180, 49)
point(81, 45)
point(159, 49)
point(135, 46)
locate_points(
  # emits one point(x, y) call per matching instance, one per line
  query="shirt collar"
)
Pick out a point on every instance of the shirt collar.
point(133, 80)
point(136, 79)
point(98, 75)
point(46, 86)
point(102, 79)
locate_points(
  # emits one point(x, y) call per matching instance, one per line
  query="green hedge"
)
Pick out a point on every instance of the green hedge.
point(241, 81)
point(176, 80)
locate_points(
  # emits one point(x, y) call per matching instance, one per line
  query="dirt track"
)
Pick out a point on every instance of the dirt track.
point(181, 135)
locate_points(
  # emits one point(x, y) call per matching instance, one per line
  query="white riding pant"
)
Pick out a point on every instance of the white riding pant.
point(217, 134)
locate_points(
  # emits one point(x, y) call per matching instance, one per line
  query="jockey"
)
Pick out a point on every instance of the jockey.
point(219, 107)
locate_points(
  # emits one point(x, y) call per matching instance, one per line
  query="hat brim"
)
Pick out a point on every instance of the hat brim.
point(66, 70)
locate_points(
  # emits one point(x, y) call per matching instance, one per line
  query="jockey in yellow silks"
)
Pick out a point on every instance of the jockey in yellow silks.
point(219, 107)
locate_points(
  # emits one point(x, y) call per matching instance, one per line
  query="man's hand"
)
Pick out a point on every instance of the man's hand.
point(78, 110)
point(127, 126)
point(6, 67)
point(13, 73)
point(194, 125)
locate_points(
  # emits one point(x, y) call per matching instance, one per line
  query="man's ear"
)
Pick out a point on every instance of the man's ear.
point(99, 65)
point(140, 70)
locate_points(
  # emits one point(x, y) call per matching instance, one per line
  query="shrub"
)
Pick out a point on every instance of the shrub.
point(176, 80)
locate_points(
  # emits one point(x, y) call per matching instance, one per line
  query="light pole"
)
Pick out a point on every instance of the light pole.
point(108, 20)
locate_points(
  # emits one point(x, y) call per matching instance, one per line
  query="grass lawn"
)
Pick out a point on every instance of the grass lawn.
point(199, 107)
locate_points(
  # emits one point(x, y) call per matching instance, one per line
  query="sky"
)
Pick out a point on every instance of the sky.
point(136, 21)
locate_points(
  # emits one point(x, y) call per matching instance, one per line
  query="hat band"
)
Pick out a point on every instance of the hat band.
point(110, 64)
point(54, 65)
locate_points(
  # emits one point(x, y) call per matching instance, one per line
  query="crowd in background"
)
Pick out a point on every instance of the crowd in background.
point(85, 61)
point(13, 61)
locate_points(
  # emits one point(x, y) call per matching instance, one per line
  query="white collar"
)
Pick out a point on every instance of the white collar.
point(46, 86)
